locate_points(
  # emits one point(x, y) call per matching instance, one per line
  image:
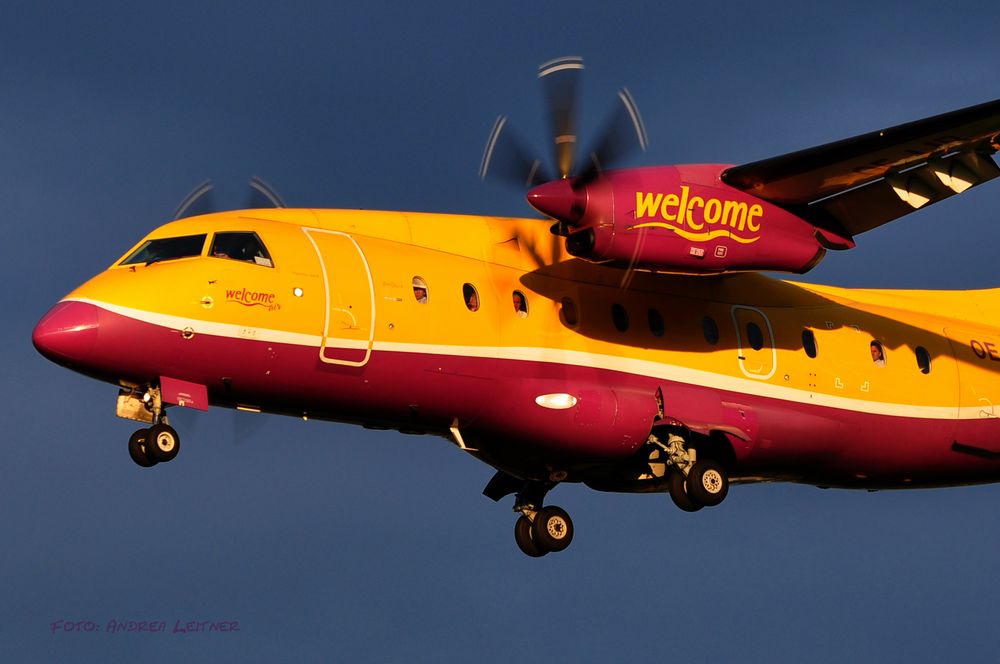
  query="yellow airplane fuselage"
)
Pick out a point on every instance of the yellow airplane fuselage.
point(780, 375)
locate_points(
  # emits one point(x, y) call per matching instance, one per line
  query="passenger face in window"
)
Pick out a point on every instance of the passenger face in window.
point(878, 354)
point(420, 290)
point(471, 297)
point(519, 305)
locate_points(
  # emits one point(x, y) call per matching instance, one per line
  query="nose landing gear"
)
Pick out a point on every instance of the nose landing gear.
point(137, 449)
point(157, 444)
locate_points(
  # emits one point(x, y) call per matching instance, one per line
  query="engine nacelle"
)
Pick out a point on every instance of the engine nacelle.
point(680, 219)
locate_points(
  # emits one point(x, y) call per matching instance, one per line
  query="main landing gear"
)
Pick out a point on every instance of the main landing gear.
point(694, 483)
point(540, 530)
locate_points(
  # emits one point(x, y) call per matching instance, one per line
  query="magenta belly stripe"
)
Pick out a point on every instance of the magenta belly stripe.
point(493, 401)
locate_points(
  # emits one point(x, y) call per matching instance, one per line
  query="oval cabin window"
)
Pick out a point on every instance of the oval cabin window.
point(923, 359)
point(520, 303)
point(656, 323)
point(471, 297)
point(878, 353)
point(754, 336)
point(420, 290)
point(809, 342)
point(710, 329)
point(619, 317)
point(568, 312)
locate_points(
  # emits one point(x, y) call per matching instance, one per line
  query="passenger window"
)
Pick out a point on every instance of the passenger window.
point(655, 323)
point(755, 336)
point(471, 297)
point(710, 329)
point(809, 342)
point(240, 246)
point(420, 290)
point(619, 317)
point(165, 249)
point(568, 312)
point(520, 304)
point(923, 360)
point(878, 353)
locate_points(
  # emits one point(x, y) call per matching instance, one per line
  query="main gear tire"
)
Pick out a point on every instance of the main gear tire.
point(708, 483)
point(679, 493)
point(525, 542)
point(552, 529)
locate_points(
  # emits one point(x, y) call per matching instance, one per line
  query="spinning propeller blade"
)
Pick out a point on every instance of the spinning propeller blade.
point(263, 195)
point(559, 78)
point(506, 158)
point(199, 201)
point(622, 133)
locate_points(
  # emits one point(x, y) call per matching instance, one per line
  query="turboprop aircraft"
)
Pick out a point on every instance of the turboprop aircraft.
point(633, 346)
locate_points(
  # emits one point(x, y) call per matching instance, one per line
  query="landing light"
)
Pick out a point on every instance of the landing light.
point(560, 401)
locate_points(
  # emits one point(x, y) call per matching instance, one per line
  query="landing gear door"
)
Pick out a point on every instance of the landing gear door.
point(349, 326)
point(755, 350)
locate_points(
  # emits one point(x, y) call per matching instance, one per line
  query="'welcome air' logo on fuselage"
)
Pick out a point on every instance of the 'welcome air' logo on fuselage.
point(252, 298)
point(697, 218)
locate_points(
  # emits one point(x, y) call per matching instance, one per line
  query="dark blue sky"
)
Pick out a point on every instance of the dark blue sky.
point(328, 542)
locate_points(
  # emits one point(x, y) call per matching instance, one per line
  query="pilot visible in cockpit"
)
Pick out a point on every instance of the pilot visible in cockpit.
point(240, 246)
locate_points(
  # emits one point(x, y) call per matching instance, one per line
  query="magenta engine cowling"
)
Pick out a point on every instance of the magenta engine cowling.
point(677, 219)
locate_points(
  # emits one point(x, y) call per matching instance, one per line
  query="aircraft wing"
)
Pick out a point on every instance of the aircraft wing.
point(860, 183)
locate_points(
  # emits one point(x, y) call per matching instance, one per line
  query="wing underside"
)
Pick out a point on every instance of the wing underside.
point(860, 183)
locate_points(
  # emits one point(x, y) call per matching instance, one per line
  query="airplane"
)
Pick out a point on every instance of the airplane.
point(628, 341)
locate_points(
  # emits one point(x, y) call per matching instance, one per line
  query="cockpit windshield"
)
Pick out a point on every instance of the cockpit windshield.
point(240, 246)
point(165, 249)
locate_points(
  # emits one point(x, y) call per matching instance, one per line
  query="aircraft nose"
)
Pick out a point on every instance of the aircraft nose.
point(67, 333)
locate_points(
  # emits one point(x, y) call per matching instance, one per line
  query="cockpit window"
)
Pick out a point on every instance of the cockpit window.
point(240, 246)
point(166, 249)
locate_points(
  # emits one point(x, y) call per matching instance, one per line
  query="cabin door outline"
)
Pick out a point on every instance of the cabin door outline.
point(759, 364)
point(349, 320)
point(978, 390)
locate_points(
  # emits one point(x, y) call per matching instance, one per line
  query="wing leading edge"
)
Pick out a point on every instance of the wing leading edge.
point(860, 183)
